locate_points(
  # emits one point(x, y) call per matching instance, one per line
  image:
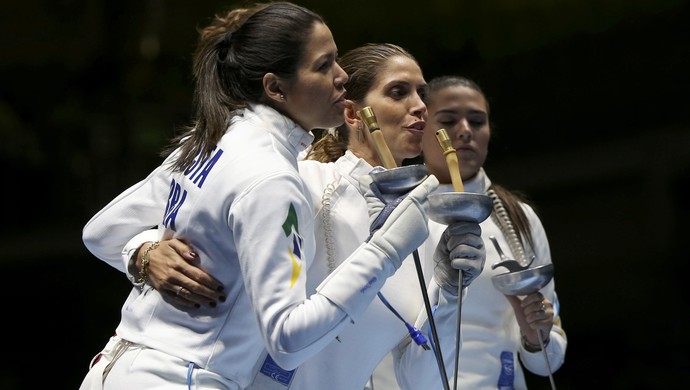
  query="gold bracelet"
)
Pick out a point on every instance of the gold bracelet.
point(143, 277)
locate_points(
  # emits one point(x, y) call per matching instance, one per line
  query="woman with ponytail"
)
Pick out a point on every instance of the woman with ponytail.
point(265, 77)
point(387, 78)
point(500, 333)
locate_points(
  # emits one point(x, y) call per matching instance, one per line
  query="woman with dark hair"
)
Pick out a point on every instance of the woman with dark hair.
point(231, 189)
point(500, 333)
point(388, 79)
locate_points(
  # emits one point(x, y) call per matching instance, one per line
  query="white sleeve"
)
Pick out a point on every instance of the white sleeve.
point(131, 247)
point(274, 247)
point(417, 368)
point(135, 210)
point(534, 361)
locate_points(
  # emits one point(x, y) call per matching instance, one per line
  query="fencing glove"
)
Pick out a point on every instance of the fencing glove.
point(460, 248)
point(354, 284)
point(401, 225)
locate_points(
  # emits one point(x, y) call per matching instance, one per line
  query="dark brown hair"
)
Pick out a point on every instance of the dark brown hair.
point(233, 54)
point(511, 200)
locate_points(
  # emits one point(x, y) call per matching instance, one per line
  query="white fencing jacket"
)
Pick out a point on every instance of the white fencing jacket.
point(341, 224)
point(492, 356)
point(247, 213)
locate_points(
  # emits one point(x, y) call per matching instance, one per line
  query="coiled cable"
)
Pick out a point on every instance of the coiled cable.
point(502, 220)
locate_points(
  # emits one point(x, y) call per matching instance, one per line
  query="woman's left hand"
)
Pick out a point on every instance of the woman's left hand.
point(174, 271)
point(534, 313)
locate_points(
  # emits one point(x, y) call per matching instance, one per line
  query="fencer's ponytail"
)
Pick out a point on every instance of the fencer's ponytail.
point(233, 54)
point(330, 147)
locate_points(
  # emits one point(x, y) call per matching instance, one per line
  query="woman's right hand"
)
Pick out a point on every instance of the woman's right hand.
point(460, 248)
point(174, 271)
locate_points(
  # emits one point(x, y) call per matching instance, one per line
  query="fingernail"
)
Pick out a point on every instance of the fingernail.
point(222, 298)
point(196, 305)
point(213, 304)
point(193, 254)
point(220, 288)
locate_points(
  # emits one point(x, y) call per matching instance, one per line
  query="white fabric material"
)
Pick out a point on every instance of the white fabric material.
point(489, 326)
point(94, 378)
point(408, 234)
point(123, 217)
point(261, 250)
point(131, 248)
point(410, 222)
point(361, 344)
point(348, 362)
point(163, 371)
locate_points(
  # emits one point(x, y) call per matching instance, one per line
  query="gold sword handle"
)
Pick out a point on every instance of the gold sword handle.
point(451, 159)
point(384, 153)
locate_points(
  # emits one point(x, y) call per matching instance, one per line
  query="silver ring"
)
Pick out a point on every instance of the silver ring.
point(180, 290)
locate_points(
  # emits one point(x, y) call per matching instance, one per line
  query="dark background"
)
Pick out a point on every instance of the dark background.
point(590, 107)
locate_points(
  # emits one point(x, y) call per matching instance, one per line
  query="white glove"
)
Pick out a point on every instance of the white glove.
point(354, 284)
point(404, 221)
point(460, 248)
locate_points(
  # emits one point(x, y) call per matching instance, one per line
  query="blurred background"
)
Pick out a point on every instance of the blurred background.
point(591, 120)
